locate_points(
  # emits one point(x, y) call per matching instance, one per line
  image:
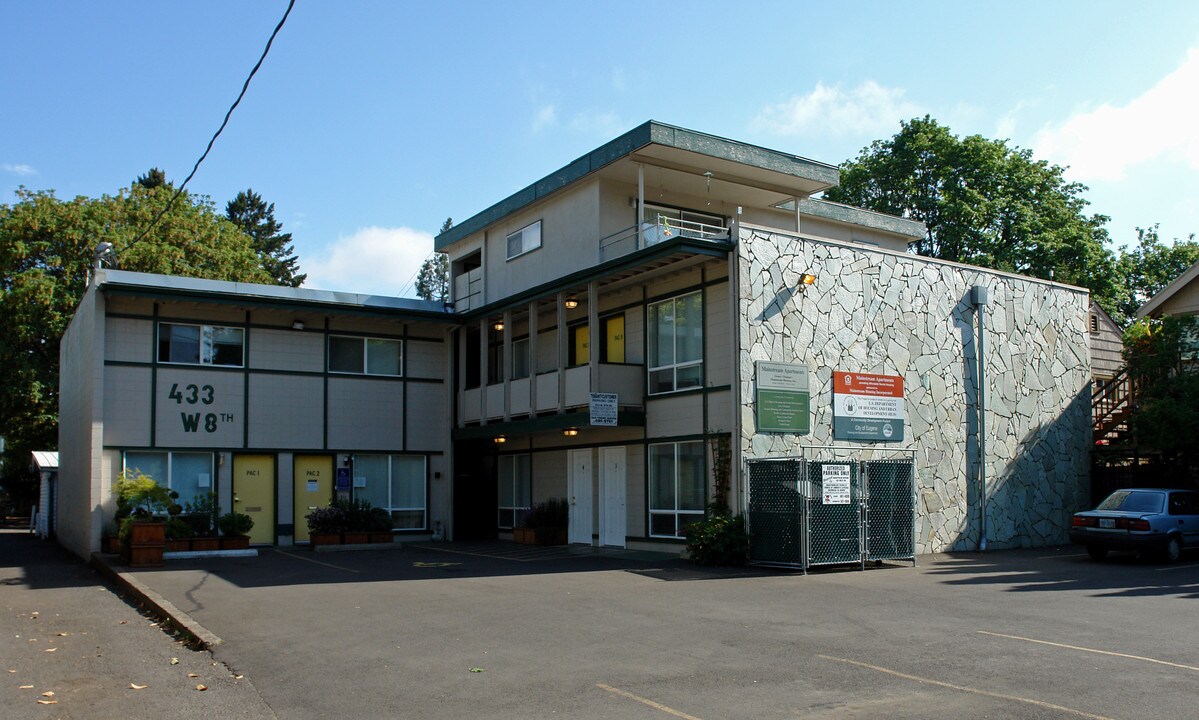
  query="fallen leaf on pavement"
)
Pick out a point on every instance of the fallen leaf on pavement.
point(476, 670)
point(123, 622)
point(48, 693)
point(63, 634)
point(135, 686)
point(192, 675)
point(174, 661)
point(201, 688)
point(25, 687)
point(47, 702)
point(51, 649)
point(238, 677)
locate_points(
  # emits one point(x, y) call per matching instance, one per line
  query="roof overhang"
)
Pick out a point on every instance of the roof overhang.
point(1169, 291)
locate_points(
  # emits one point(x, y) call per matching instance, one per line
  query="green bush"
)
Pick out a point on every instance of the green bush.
point(553, 513)
point(138, 495)
point(201, 513)
point(327, 521)
point(235, 523)
point(718, 539)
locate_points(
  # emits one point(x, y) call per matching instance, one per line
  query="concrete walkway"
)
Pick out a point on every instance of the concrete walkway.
point(72, 647)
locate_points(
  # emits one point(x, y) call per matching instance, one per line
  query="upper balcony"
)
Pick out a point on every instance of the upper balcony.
point(648, 234)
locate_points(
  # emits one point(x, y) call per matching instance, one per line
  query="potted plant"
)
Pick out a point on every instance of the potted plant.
point(545, 524)
point(380, 526)
point(358, 521)
point(325, 525)
point(235, 530)
point(201, 512)
point(178, 531)
point(142, 530)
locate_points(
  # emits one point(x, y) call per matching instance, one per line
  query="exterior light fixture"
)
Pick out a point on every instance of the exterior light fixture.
point(807, 279)
point(498, 326)
point(570, 432)
point(499, 439)
point(297, 325)
point(570, 303)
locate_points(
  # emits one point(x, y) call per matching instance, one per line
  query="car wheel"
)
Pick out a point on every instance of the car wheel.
point(1173, 550)
point(1097, 552)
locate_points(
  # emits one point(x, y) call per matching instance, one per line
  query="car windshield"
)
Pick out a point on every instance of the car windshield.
point(1134, 501)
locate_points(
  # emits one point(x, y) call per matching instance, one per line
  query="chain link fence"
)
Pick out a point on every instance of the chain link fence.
point(833, 506)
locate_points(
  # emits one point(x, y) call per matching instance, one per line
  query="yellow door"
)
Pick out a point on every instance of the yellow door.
point(314, 489)
point(615, 339)
point(254, 494)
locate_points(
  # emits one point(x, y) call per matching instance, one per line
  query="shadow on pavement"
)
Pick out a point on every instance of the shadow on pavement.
point(27, 561)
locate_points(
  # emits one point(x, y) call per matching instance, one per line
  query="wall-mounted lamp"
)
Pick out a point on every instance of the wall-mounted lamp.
point(570, 432)
point(498, 326)
point(806, 279)
point(499, 439)
point(570, 303)
point(297, 325)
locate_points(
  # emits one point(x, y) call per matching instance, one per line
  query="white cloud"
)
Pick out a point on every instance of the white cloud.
point(869, 109)
point(374, 260)
point(19, 169)
point(547, 116)
point(1102, 144)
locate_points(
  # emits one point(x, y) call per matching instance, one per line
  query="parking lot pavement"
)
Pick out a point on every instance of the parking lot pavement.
point(70, 647)
point(453, 631)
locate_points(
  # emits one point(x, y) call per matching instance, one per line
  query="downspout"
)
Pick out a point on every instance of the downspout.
point(978, 295)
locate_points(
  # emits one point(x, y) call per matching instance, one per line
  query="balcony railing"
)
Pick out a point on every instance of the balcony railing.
point(626, 241)
point(627, 381)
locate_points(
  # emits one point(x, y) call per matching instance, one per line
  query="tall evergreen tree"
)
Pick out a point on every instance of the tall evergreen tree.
point(152, 179)
point(433, 280)
point(257, 220)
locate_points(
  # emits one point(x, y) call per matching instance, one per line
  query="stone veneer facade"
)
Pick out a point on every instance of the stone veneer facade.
point(891, 313)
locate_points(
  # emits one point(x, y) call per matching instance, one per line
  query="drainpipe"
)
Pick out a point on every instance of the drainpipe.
point(978, 296)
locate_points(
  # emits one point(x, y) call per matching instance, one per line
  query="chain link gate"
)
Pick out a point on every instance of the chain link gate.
point(831, 509)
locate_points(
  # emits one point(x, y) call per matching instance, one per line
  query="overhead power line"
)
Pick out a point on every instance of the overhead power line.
point(245, 86)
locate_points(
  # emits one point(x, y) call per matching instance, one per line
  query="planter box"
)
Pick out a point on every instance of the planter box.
point(111, 545)
point(145, 556)
point(147, 533)
point(355, 538)
point(381, 537)
point(235, 542)
point(206, 543)
point(178, 544)
point(324, 539)
point(539, 536)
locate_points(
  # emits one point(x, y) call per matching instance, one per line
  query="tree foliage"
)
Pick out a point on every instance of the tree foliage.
point(433, 279)
point(1162, 356)
point(152, 179)
point(275, 252)
point(1148, 268)
point(984, 203)
point(46, 251)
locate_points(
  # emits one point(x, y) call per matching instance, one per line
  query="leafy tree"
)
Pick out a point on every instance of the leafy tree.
point(433, 280)
point(1162, 356)
point(275, 252)
point(1148, 268)
point(984, 203)
point(152, 179)
point(46, 251)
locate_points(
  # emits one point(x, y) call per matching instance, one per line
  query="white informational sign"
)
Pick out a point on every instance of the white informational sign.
point(836, 484)
point(313, 486)
point(204, 480)
point(603, 409)
point(359, 481)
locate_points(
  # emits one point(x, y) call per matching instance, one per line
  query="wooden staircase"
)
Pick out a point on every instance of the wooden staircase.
point(1111, 406)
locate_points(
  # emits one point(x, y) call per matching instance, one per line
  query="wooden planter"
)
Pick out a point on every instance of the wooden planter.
point(147, 540)
point(539, 536)
point(324, 539)
point(235, 542)
point(355, 538)
point(206, 543)
point(112, 545)
point(146, 556)
point(178, 544)
point(385, 536)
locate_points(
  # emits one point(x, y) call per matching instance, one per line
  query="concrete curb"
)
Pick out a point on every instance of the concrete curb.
point(156, 603)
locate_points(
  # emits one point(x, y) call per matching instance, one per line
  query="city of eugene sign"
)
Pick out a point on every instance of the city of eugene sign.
point(867, 407)
point(781, 400)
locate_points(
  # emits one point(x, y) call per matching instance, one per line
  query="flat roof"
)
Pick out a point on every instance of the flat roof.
point(817, 174)
point(173, 285)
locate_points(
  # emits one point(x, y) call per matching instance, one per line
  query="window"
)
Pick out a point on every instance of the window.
point(495, 356)
point(527, 239)
point(515, 491)
point(676, 342)
point(364, 356)
point(520, 358)
point(200, 344)
point(395, 483)
point(187, 473)
point(676, 487)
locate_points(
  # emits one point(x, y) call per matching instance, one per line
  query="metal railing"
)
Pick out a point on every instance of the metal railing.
point(1111, 404)
point(623, 242)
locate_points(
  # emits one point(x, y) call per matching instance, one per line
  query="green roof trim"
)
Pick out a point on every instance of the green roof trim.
point(859, 216)
point(648, 133)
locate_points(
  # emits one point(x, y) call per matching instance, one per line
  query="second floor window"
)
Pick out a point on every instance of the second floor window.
point(524, 240)
point(676, 344)
point(201, 344)
point(365, 355)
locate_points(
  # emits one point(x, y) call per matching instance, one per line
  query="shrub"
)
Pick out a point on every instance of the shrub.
point(380, 520)
point(235, 523)
point(553, 513)
point(178, 528)
point(718, 539)
point(202, 512)
point(138, 494)
point(327, 521)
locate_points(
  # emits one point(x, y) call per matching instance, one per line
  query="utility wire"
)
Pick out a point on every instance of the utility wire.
point(245, 86)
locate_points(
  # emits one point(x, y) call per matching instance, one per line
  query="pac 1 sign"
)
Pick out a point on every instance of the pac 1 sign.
point(867, 407)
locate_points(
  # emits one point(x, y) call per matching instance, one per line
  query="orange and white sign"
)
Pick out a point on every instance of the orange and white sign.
point(867, 406)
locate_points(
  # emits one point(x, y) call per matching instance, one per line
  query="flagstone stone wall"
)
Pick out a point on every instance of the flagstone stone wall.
point(883, 312)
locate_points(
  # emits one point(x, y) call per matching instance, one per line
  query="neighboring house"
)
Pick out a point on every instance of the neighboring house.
point(1180, 297)
point(610, 326)
point(1107, 345)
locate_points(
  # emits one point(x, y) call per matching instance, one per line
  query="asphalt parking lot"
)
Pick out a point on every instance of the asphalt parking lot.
point(497, 631)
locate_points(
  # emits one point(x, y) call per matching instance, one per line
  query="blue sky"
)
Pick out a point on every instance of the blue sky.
point(370, 123)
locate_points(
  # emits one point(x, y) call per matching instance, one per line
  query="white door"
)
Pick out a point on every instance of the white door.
point(612, 496)
point(579, 491)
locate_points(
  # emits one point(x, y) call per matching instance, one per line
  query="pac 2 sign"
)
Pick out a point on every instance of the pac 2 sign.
point(867, 407)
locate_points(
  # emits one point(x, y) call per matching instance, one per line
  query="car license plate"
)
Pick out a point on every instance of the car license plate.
point(1107, 523)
